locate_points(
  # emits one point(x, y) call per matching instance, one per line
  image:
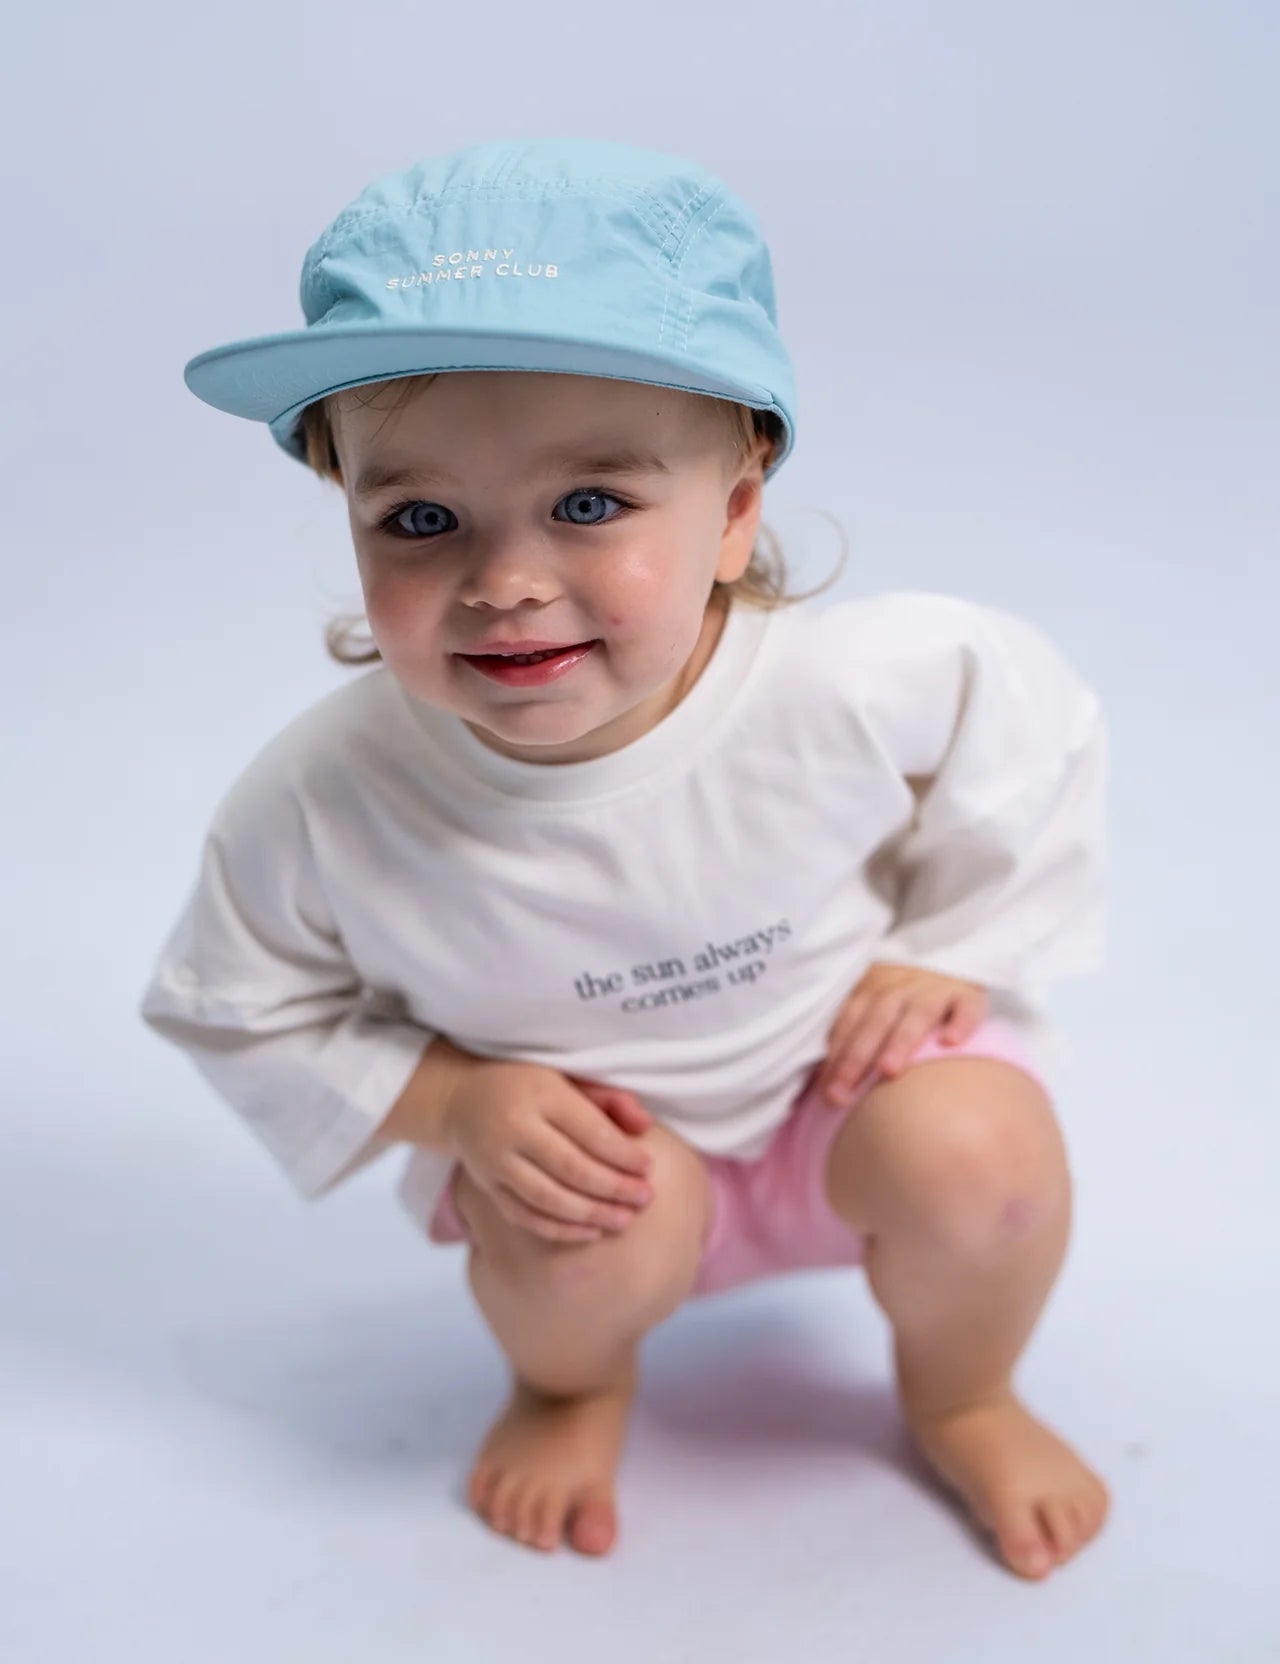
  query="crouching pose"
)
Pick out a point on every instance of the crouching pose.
point(688, 935)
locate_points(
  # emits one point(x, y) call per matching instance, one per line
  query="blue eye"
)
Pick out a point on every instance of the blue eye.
point(427, 525)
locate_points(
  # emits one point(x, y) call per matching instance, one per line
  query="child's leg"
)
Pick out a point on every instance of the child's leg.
point(570, 1317)
point(958, 1171)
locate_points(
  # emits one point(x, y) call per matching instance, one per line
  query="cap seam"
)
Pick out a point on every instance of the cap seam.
point(687, 213)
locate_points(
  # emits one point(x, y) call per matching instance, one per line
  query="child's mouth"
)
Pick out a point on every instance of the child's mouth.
point(542, 667)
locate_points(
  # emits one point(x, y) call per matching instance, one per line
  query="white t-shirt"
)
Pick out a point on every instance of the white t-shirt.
point(907, 776)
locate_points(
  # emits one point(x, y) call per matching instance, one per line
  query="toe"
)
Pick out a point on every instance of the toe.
point(593, 1526)
point(501, 1510)
point(1060, 1525)
point(548, 1520)
point(479, 1486)
point(1093, 1513)
point(1023, 1544)
point(528, 1503)
point(1030, 1556)
point(518, 1509)
point(1088, 1519)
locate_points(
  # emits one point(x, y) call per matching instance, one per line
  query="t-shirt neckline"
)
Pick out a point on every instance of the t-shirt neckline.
point(668, 740)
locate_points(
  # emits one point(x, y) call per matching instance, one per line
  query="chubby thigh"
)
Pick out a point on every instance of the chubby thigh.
point(657, 1252)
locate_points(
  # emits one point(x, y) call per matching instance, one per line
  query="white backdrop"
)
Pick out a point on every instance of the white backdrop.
point(1026, 260)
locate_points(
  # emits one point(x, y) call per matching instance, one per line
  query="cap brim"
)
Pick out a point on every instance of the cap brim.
point(272, 378)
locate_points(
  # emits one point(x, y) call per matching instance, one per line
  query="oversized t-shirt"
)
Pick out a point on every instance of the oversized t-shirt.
point(907, 776)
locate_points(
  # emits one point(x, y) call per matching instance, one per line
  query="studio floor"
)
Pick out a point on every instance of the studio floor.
point(239, 1427)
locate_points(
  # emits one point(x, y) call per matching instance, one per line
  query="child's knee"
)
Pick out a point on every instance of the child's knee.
point(647, 1267)
point(675, 1224)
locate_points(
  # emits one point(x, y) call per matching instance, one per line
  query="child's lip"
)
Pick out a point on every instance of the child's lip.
point(491, 648)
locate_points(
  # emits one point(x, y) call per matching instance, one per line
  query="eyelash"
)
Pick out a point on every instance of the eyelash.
point(388, 521)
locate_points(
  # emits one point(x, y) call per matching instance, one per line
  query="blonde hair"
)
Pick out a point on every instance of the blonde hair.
point(762, 584)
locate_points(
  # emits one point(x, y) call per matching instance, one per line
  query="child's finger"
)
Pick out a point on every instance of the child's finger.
point(846, 1067)
point(570, 1192)
point(622, 1107)
point(899, 1045)
point(626, 1109)
point(549, 1229)
point(596, 1137)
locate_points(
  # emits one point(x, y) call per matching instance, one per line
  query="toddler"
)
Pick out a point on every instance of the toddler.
point(640, 902)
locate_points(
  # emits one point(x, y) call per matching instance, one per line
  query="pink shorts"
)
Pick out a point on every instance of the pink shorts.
point(770, 1214)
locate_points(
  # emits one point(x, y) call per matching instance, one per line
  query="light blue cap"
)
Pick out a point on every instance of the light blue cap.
point(583, 256)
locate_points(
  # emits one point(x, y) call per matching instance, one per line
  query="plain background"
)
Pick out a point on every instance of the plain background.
point(1026, 259)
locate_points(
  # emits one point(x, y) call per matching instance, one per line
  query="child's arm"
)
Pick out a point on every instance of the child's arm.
point(1014, 899)
point(418, 1115)
point(999, 878)
point(255, 985)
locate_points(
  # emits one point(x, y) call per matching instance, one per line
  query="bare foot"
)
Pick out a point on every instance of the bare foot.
point(1024, 1485)
point(548, 1461)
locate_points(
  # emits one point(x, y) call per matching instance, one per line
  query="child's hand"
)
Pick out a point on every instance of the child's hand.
point(536, 1141)
point(886, 1017)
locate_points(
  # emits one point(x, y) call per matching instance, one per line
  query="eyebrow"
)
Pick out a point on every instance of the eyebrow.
point(375, 476)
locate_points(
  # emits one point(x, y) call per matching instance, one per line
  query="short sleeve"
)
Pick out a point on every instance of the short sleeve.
point(1001, 874)
point(254, 985)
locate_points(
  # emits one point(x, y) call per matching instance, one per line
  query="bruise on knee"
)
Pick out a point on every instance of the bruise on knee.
point(1017, 1216)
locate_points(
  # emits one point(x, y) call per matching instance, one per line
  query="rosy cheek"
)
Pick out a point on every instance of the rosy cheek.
point(394, 608)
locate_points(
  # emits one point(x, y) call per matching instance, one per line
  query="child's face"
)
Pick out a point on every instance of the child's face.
point(500, 555)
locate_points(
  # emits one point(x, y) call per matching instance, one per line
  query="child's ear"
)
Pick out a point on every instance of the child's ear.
point(741, 525)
